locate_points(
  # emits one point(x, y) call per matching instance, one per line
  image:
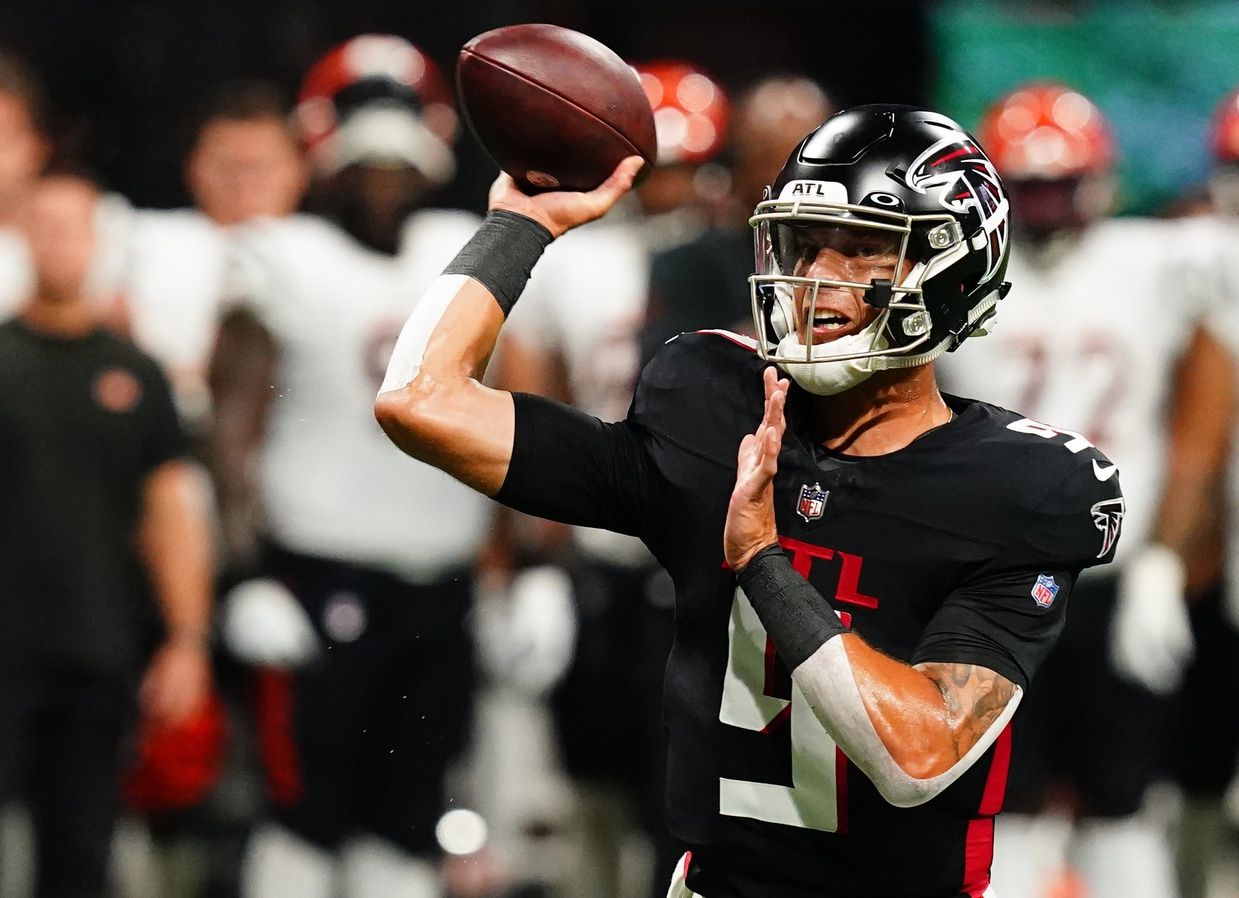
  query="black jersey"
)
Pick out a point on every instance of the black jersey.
point(961, 547)
point(84, 421)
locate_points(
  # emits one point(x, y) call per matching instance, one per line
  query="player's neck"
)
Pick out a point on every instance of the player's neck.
point(60, 317)
point(884, 414)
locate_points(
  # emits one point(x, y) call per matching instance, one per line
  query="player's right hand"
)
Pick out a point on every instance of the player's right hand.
point(1151, 640)
point(176, 682)
point(561, 210)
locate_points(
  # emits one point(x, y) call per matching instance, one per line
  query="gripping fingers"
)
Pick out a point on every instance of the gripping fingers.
point(605, 195)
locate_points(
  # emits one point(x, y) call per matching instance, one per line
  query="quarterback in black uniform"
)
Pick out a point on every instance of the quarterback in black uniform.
point(838, 708)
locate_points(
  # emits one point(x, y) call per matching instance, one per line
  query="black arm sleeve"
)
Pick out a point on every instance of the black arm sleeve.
point(1007, 622)
point(568, 466)
point(795, 615)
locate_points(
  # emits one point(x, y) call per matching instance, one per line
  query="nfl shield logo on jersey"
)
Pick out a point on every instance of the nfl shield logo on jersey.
point(1044, 590)
point(812, 502)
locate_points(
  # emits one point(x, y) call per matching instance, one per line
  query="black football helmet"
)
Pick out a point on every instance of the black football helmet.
point(920, 181)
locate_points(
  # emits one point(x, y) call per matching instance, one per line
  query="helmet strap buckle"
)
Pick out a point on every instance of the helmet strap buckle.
point(880, 293)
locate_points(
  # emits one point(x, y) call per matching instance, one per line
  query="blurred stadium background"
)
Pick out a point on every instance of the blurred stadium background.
point(126, 80)
point(125, 75)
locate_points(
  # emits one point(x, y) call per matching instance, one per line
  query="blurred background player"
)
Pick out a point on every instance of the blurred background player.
point(610, 736)
point(1104, 341)
point(1205, 765)
point(377, 554)
point(24, 149)
point(245, 162)
point(104, 554)
point(703, 282)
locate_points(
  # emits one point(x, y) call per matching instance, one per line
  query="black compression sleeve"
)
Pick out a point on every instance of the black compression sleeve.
point(502, 254)
point(569, 466)
point(795, 615)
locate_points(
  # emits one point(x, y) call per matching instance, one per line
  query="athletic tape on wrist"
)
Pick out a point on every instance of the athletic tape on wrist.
point(502, 254)
point(795, 615)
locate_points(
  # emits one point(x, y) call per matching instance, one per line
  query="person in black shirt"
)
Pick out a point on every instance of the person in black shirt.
point(98, 510)
point(838, 708)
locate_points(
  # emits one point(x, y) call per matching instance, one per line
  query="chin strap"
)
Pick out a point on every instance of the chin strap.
point(827, 376)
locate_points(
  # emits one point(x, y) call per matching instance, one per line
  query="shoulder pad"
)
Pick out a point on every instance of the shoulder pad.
point(702, 391)
point(1065, 490)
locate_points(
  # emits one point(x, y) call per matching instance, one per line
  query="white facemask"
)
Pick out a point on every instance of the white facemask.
point(829, 377)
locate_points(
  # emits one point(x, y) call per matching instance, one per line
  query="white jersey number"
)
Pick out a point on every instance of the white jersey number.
point(816, 799)
point(1076, 442)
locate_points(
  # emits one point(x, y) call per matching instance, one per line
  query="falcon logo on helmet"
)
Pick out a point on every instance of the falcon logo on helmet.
point(967, 183)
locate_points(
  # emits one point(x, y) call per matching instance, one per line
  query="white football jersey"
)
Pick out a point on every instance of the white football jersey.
point(16, 275)
point(174, 286)
point(1087, 341)
point(331, 482)
point(586, 302)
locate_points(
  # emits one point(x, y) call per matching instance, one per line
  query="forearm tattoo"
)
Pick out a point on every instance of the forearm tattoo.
point(975, 696)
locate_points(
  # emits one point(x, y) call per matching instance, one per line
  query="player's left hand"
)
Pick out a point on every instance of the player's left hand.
point(750, 523)
point(1151, 640)
point(176, 682)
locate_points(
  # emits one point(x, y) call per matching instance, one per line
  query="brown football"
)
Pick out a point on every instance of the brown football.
point(557, 110)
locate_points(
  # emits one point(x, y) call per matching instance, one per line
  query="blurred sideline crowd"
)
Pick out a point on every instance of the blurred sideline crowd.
point(249, 649)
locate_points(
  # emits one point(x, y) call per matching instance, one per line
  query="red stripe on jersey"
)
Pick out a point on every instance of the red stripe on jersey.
point(731, 337)
point(778, 720)
point(996, 781)
point(979, 844)
point(978, 856)
point(274, 710)
point(841, 791)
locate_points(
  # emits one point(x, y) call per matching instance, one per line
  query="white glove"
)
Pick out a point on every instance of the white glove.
point(1150, 636)
point(265, 625)
point(527, 637)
